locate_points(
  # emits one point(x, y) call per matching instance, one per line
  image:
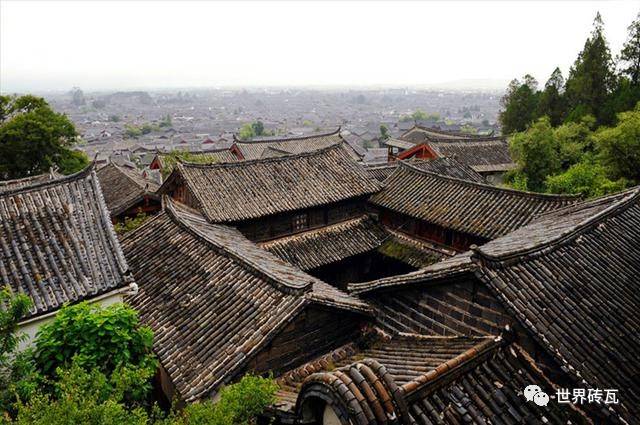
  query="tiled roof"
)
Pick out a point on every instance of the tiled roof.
point(329, 244)
point(443, 166)
point(209, 156)
point(572, 278)
point(213, 298)
point(293, 145)
point(482, 156)
point(446, 269)
point(57, 244)
point(419, 134)
point(250, 189)
point(483, 383)
point(123, 188)
point(464, 206)
point(10, 185)
point(405, 358)
point(414, 252)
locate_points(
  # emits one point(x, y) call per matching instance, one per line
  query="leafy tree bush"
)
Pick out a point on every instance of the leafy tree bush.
point(18, 377)
point(239, 404)
point(536, 153)
point(130, 223)
point(109, 340)
point(80, 396)
point(619, 146)
point(33, 138)
point(587, 178)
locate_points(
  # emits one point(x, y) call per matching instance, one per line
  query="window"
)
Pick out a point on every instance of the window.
point(300, 222)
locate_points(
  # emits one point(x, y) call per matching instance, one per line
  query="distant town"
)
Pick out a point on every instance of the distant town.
point(114, 125)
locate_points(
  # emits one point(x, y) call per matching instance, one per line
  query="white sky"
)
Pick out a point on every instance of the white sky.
point(54, 45)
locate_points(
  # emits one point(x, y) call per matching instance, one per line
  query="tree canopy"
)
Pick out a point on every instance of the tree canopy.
point(33, 138)
point(592, 88)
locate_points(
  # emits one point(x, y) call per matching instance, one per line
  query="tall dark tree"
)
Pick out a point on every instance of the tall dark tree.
point(519, 105)
point(630, 54)
point(592, 76)
point(552, 102)
point(33, 138)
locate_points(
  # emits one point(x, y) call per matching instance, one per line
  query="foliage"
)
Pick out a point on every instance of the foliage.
point(170, 159)
point(591, 78)
point(33, 138)
point(137, 131)
point(165, 121)
point(72, 161)
point(619, 146)
point(82, 397)
point(114, 118)
point(77, 97)
point(519, 105)
point(587, 178)
point(552, 103)
point(468, 129)
point(630, 54)
point(107, 339)
point(239, 404)
point(420, 115)
point(131, 223)
point(18, 378)
point(592, 87)
point(536, 153)
point(384, 132)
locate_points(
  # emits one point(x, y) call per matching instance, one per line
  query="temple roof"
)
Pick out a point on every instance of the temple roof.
point(329, 244)
point(57, 244)
point(213, 298)
point(123, 188)
point(442, 165)
point(424, 380)
point(572, 279)
point(464, 206)
point(277, 146)
point(10, 185)
point(249, 189)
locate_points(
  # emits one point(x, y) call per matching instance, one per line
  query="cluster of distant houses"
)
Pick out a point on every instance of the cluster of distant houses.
point(409, 291)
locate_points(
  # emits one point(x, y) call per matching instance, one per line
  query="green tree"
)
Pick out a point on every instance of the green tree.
point(384, 132)
point(536, 153)
point(519, 105)
point(83, 396)
point(33, 138)
point(247, 132)
point(166, 121)
point(239, 404)
point(591, 78)
point(130, 223)
point(630, 54)
point(574, 140)
point(619, 146)
point(588, 178)
point(18, 378)
point(77, 97)
point(552, 102)
point(258, 128)
point(109, 339)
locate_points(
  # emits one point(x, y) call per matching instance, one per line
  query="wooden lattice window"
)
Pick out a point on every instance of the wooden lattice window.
point(300, 222)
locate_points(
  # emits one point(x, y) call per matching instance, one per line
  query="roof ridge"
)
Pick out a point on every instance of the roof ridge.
point(286, 139)
point(128, 175)
point(621, 204)
point(492, 188)
point(332, 226)
point(316, 152)
point(174, 215)
point(441, 371)
point(452, 133)
point(64, 179)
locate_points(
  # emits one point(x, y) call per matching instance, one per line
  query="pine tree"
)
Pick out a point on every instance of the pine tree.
point(630, 54)
point(592, 77)
point(552, 102)
point(519, 105)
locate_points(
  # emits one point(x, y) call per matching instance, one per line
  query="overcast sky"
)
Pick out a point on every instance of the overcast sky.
point(95, 45)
